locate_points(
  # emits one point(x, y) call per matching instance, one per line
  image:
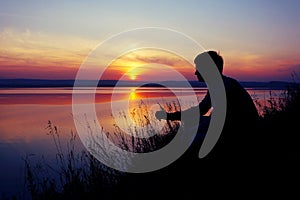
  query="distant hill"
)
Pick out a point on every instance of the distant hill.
point(27, 83)
point(39, 83)
point(269, 85)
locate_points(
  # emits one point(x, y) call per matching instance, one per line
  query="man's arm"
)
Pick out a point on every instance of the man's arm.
point(204, 107)
point(205, 104)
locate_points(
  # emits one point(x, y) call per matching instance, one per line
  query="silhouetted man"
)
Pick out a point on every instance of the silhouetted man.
point(236, 140)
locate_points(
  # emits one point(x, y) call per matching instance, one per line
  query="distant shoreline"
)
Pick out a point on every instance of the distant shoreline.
point(40, 83)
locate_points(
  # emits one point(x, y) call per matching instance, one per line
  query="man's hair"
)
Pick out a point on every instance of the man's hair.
point(218, 60)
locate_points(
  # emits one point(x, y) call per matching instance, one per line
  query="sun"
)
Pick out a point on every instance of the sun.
point(132, 76)
point(132, 73)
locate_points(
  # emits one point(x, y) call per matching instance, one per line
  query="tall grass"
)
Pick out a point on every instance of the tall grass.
point(78, 175)
point(75, 174)
point(144, 135)
point(279, 129)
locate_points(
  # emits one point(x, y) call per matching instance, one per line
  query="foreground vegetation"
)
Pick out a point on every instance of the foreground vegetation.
point(279, 126)
point(78, 175)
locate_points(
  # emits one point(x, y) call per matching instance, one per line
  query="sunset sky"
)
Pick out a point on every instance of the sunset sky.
point(259, 40)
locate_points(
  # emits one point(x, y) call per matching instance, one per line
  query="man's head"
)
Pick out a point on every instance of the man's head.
point(218, 60)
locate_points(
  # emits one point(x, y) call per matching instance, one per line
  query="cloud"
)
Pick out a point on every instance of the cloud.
point(39, 50)
point(249, 66)
point(144, 63)
point(151, 56)
point(35, 72)
point(52, 56)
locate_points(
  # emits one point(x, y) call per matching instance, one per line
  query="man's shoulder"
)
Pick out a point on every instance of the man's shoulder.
point(232, 84)
point(230, 81)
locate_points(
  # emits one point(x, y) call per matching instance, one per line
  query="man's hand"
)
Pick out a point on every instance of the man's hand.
point(161, 115)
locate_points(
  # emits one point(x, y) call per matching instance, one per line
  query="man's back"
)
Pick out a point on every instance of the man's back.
point(239, 132)
point(241, 110)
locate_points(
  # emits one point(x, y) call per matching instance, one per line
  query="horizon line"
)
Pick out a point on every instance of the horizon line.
point(135, 81)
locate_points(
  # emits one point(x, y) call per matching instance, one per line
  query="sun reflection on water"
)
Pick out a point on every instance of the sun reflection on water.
point(132, 95)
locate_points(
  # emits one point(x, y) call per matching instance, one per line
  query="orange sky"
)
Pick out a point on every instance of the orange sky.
point(42, 56)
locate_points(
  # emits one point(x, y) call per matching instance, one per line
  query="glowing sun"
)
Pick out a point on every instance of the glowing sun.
point(132, 75)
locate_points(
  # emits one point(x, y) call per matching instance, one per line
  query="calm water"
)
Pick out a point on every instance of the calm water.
point(25, 114)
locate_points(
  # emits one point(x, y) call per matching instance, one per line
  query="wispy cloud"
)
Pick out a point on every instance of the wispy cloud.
point(261, 67)
point(145, 62)
point(37, 48)
point(40, 53)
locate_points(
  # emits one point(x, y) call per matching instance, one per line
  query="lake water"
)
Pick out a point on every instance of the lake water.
point(25, 114)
